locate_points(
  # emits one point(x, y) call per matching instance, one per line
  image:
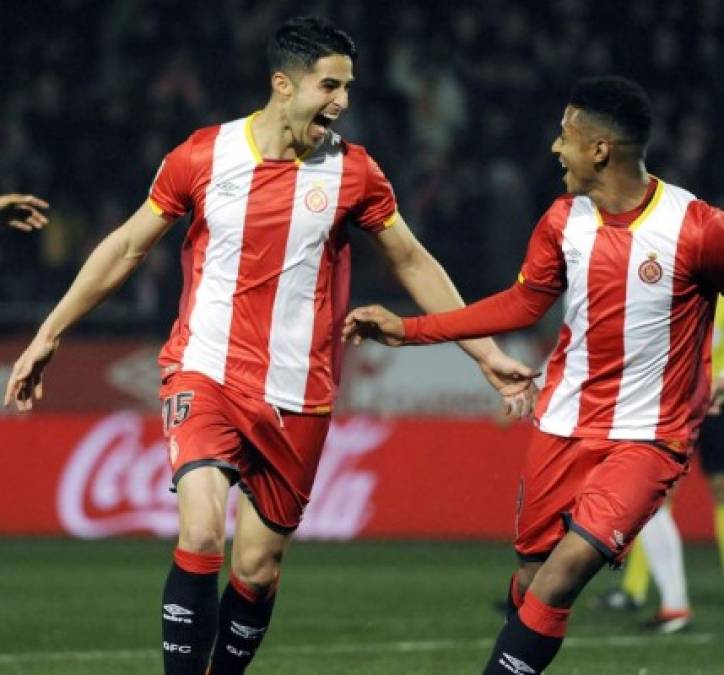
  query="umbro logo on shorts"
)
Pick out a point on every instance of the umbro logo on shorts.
point(516, 666)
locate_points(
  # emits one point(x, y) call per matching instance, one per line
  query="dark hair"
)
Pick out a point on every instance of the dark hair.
point(301, 41)
point(616, 102)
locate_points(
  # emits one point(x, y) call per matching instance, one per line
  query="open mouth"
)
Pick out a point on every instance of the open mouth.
point(320, 123)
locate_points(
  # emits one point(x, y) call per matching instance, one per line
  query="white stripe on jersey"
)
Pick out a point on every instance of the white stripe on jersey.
point(225, 211)
point(292, 323)
point(579, 234)
point(647, 318)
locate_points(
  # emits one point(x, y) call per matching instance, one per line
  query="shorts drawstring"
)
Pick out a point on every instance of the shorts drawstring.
point(279, 416)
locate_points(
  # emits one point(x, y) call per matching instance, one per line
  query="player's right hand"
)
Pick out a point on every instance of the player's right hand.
point(373, 322)
point(26, 377)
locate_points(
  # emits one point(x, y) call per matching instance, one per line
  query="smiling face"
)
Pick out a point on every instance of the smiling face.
point(314, 98)
point(579, 151)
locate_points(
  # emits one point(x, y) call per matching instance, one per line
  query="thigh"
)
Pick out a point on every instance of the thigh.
point(622, 493)
point(552, 474)
point(257, 549)
point(202, 499)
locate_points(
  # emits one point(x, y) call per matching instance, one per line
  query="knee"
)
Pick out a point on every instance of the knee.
point(258, 567)
point(201, 538)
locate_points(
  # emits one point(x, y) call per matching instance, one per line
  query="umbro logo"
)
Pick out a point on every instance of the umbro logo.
point(572, 255)
point(177, 614)
point(247, 632)
point(227, 188)
point(516, 666)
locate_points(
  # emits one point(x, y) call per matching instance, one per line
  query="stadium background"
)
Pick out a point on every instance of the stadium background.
point(459, 103)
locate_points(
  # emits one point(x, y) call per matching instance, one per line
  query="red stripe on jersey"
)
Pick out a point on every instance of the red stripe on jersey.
point(263, 247)
point(607, 280)
point(692, 316)
point(193, 251)
point(554, 371)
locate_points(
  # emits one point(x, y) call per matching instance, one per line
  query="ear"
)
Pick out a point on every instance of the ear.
point(602, 151)
point(282, 84)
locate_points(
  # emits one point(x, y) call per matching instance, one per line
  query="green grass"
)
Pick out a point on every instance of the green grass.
point(378, 608)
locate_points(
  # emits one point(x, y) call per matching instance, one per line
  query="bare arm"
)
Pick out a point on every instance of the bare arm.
point(107, 267)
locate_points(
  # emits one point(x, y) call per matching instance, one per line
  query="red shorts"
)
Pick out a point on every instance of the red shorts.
point(272, 453)
point(605, 490)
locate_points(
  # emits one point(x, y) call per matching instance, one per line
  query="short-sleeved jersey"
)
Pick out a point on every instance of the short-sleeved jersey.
point(638, 310)
point(266, 260)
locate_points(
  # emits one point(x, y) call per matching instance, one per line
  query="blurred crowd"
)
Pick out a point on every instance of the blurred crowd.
point(459, 103)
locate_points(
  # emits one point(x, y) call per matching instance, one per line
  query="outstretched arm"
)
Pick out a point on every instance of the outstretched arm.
point(108, 266)
point(515, 308)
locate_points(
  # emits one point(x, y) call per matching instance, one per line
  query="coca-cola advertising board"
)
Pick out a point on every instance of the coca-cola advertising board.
point(99, 475)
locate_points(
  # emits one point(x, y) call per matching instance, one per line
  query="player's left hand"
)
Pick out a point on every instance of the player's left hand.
point(22, 212)
point(513, 381)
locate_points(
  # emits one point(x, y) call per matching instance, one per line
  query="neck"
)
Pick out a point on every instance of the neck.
point(622, 190)
point(272, 134)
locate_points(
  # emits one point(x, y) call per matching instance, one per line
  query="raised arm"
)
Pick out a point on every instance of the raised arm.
point(107, 267)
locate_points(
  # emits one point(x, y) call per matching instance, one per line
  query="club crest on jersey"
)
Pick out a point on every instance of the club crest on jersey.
point(316, 199)
point(650, 270)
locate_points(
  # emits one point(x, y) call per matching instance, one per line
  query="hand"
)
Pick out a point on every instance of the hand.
point(373, 322)
point(21, 212)
point(717, 396)
point(26, 377)
point(512, 380)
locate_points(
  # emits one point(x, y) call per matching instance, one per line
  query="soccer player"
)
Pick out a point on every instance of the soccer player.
point(640, 263)
point(250, 369)
point(21, 212)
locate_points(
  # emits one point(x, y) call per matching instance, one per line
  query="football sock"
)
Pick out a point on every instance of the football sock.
point(719, 527)
point(635, 582)
point(244, 615)
point(530, 640)
point(662, 543)
point(515, 597)
point(190, 610)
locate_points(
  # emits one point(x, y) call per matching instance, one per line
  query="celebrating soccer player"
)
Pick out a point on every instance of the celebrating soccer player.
point(640, 263)
point(250, 368)
point(22, 212)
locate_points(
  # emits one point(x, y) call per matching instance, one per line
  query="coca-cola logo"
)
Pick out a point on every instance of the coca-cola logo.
point(117, 483)
point(113, 484)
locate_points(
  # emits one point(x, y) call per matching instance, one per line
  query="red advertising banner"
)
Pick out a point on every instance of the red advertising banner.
point(94, 475)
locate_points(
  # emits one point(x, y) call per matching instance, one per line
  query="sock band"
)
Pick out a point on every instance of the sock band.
point(198, 563)
point(542, 618)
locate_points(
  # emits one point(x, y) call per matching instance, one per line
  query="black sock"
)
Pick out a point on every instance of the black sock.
point(244, 616)
point(521, 651)
point(188, 619)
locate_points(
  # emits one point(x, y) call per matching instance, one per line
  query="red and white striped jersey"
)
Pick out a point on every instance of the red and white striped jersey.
point(638, 308)
point(266, 260)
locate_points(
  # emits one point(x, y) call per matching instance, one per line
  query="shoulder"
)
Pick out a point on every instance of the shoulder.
point(559, 211)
